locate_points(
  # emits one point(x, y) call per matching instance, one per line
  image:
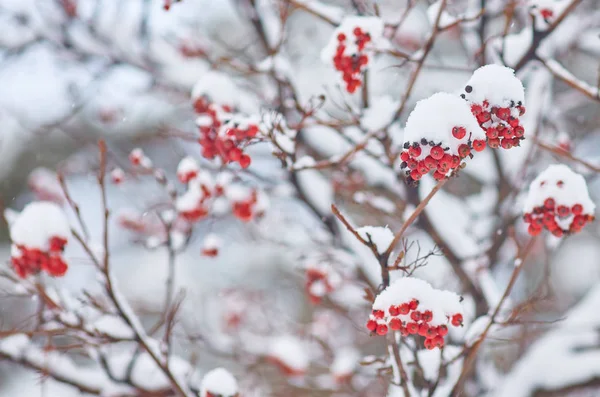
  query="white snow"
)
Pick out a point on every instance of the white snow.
point(14, 345)
point(38, 223)
point(290, 351)
point(212, 241)
point(113, 326)
point(380, 236)
point(496, 84)
point(573, 191)
point(345, 362)
point(435, 117)
point(186, 168)
point(443, 304)
point(219, 382)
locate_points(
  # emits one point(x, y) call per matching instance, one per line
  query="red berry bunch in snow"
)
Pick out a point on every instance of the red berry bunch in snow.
point(413, 307)
point(219, 383)
point(350, 48)
point(211, 245)
point(440, 133)
point(213, 194)
point(496, 97)
point(39, 235)
point(289, 354)
point(224, 131)
point(320, 280)
point(558, 200)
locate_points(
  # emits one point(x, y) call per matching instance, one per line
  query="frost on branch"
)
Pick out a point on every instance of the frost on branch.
point(381, 237)
point(440, 132)
point(412, 306)
point(558, 200)
point(218, 383)
point(39, 235)
point(497, 99)
point(351, 46)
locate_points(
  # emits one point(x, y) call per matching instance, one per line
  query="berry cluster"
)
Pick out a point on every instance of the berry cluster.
point(221, 135)
point(352, 64)
point(549, 216)
point(408, 320)
point(28, 260)
point(502, 125)
point(320, 281)
point(558, 200)
point(419, 158)
point(246, 210)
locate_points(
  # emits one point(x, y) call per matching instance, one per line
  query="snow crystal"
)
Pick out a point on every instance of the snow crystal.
point(37, 223)
point(435, 117)
point(496, 84)
point(380, 113)
point(372, 25)
point(291, 352)
point(219, 382)
point(442, 303)
point(572, 191)
point(380, 236)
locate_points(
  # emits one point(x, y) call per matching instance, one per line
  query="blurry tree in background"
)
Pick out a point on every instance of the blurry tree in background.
point(244, 198)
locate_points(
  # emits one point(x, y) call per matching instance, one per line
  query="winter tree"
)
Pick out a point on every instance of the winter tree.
point(242, 198)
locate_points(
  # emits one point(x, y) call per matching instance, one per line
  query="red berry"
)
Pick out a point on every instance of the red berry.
point(341, 37)
point(415, 151)
point(459, 132)
point(436, 152)
point(457, 319)
point(413, 304)
point(519, 131)
point(404, 308)
point(415, 174)
point(378, 314)
point(429, 344)
point(411, 164)
point(423, 329)
point(492, 143)
point(404, 156)
point(478, 145)
point(577, 209)
point(415, 316)
point(563, 210)
point(549, 203)
point(527, 218)
point(382, 329)
point(371, 325)
point(431, 163)
point(438, 341)
point(491, 132)
point(483, 117)
point(464, 150)
point(394, 310)
point(503, 113)
point(245, 160)
point(427, 316)
point(438, 176)
point(557, 232)
point(521, 110)
point(412, 328)
point(396, 324)
point(357, 31)
point(442, 330)
point(422, 168)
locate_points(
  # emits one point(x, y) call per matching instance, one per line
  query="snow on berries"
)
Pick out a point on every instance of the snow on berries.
point(117, 176)
point(219, 383)
point(440, 133)
point(39, 235)
point(350, 49)
point(138, 158)
point(187, 169)
point(497, 97)
point(545, 12)
point(321, 279)
point(289, 354)
point(413, 307)
point(224, 131)
point(558, 201)
point(211, 245)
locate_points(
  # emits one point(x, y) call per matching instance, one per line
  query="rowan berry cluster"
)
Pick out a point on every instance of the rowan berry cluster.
point(206, 191)
point(558, 201)
point(439, 144)
point(320, 281)
point(26, 260)
point(502, 125)
point(352, 64)
point(409, 320)
point(496, 98)
point(222, 133)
